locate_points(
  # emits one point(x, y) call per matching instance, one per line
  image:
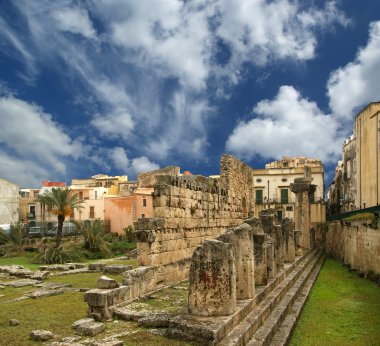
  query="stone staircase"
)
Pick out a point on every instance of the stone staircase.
point(267, 319)
point(272, 320)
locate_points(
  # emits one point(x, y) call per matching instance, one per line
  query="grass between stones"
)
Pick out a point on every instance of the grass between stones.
point(55, 313)
point(342, 309)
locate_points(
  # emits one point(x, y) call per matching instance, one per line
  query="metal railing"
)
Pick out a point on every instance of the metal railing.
point(337, 217)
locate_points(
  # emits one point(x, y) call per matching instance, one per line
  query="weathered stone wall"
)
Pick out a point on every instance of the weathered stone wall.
point(148, 179)
point(187, 210)
point(356, 244)
point(237, 178)
point(136, 283)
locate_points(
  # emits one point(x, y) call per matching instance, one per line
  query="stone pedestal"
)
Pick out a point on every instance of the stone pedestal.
point(212, 281)
point(303, 188)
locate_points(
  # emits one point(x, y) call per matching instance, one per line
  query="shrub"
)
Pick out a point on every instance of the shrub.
point(50, 254)
point(11, 244)
point(130, 234)
point(94, 237)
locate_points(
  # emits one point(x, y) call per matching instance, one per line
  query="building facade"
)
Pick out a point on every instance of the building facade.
point(357, 180)
point(9, 202)
point(272, 187)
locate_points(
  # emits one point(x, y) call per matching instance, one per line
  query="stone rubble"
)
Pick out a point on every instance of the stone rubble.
point(88, 327)
point(41, 335)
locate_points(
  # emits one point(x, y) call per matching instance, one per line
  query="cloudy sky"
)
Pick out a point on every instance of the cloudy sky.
point(125, 86)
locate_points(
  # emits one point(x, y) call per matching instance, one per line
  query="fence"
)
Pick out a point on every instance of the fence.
point(49, 229)
point(341, 216)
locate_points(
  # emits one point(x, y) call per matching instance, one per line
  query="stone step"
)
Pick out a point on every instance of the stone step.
point(284, 333)
point(214, 330)
point(257, 317)
point(266, 332)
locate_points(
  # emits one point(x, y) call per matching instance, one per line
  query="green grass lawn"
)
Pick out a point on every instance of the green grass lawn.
point(20, 260)
point(55, 313)
point(342, 309)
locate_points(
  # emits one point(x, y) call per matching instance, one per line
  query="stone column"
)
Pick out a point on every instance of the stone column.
point(289, 241)
point(241, 239)
point(212, 280)
point(267, 217)
point(260, 254)
point(303, 188)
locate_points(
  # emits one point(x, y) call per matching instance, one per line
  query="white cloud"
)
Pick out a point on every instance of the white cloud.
point(114, 125)
point(137, 165)
point(119, 158)
point(357, 83)
point(146, 75)
point(75, 20)
point(25, 173)
point(142, 164)
point(31, 134)
point(288, 125)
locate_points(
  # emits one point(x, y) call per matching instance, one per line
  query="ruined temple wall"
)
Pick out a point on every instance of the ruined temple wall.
point(189, 210)
point(237, 178)
point(356, 244)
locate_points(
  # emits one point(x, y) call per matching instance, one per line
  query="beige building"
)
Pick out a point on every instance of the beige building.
point(9, 202)
point(356, 184)
point(93, 192)
point(272, 187)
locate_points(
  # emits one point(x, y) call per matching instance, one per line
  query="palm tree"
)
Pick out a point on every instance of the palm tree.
point(61, 202)
point(94, 236)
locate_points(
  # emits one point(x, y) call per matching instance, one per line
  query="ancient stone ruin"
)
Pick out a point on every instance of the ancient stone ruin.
point(204, 231)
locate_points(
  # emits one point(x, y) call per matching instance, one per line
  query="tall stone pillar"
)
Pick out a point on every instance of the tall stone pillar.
point(212, 280)
point(261, 272)
point(241, 239)
point(303, 188)
point(289, 240)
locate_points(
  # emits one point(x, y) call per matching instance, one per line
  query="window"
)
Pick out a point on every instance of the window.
point(289, 208)
point(81, 195)
point(258, 180)
point(92, 212)
point(36, 194)
point(144, 202)
point(143, 216)
point(32, 212)
point(72, 213)
point(259, 196)
point(284, 180)
point(284, 196)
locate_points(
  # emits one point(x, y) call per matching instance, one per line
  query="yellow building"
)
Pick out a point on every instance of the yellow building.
point(272, 187)
point(359, 186)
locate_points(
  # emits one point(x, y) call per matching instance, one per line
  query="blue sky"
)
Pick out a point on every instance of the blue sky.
point(121, 87)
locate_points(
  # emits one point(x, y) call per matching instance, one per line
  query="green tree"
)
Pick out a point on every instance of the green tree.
point(61, 202)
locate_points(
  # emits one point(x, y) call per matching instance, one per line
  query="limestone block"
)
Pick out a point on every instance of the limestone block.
point(41, 335)
point(105, 282)
point(99, 266)
point(44, 293)
point(212, 280)
point(40, 275)
point(88, 327)
point(116, 268)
